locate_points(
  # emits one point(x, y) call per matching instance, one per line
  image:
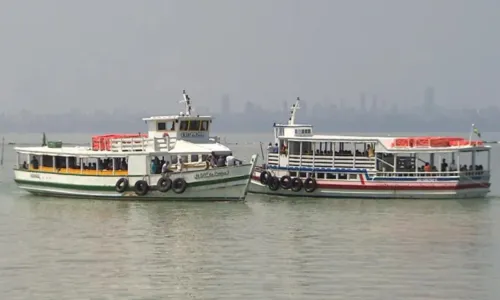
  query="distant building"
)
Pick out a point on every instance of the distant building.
point(362, 102)
point(374, 107)
point(429, 104)
point(225, 105)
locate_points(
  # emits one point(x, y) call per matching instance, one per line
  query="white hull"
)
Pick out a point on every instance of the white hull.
point(228, 183)
point(257, 188)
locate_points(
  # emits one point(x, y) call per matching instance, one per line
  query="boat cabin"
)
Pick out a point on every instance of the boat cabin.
point(181, 140)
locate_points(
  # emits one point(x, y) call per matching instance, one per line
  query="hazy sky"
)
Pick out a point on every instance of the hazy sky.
point(63, 55)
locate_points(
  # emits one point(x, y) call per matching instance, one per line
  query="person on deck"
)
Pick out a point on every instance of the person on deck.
point(164, 168)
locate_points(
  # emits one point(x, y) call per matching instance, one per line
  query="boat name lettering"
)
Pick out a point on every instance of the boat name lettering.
point(192, 134)
point(210, 174)
point(35, 176)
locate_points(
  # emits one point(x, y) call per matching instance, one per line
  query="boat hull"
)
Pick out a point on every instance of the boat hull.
point(398, 189)
point(228, 183)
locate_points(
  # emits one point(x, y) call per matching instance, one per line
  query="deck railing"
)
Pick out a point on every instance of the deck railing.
point(145, 144)
point(434, 174)
point(368, 163)
point(361, 162)
point(141, 144)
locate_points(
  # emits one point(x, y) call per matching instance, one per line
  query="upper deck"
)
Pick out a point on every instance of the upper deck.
point(184, 133)
point(303, 133)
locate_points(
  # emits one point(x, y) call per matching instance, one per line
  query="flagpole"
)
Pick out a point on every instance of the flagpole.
point(470, 135)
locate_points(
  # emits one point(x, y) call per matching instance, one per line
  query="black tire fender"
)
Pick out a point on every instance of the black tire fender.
point(273, 183)
point(164, 184)
point(179, 185)
point(121, 185)
point(141, 187)
point(264, 177)
point(310, 185)
point(297, 184)
point(286, 182)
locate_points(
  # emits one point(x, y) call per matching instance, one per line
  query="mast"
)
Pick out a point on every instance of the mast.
point(187, 102)
point(293, 112)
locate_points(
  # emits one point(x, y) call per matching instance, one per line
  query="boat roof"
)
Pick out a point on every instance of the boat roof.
point(181, 147)
point(384, 141)
point(177, 117)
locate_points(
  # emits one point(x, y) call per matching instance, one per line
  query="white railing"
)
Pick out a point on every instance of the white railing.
point(273, 158)
point(430, 175)
point(131, 144)
point(361, 162)
point(141, 144)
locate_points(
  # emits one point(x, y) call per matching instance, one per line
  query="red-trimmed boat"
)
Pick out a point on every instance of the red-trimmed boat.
point(300, 163)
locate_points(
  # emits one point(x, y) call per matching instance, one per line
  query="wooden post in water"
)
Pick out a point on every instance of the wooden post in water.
point(3, 146)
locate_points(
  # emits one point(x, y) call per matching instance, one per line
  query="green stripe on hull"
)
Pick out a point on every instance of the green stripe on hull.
point(112, 188)
point(134, 198)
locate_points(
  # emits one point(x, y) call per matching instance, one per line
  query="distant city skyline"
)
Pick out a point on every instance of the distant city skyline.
point(369, 113)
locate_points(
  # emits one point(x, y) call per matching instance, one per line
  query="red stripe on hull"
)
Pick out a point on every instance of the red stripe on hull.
point(397, 186)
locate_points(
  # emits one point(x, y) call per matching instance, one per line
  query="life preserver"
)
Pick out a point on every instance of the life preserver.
point(164, 184)
point(310, 185)
point(286, 182)
point(297, 184)
point(141, 187)
point(264, 177)
point(121, 185)
point(273, 183)
point(179, 185)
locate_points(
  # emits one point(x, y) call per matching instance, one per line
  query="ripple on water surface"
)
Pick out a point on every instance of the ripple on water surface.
point(261, 249)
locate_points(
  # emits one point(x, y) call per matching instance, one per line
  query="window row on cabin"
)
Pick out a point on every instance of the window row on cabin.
point(190, 125)
point(303, 131)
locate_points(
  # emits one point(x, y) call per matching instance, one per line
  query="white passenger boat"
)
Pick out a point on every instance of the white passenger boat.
point(300, 163)
point(175, 160)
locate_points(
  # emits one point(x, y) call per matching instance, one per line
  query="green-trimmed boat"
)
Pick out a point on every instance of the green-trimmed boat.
point(175, 160)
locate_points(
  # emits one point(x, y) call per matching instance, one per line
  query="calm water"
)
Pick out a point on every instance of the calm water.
point(265, 248)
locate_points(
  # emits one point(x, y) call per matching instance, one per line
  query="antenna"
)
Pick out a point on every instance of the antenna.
point(187, 102)
point(293, 111)
point(1, 156)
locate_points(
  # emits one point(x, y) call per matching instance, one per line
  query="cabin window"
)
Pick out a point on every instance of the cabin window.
point(353, 176)
point(342, 176)
point(194, 158)
point(184, 158)
point(204, 125)
point(194, 125)
point(161, 126)
point(331, 176)
point(184, 125)
point(302, 174)
point(293, 174)
point(321, 176)
point(204, 157)
point(173, 159)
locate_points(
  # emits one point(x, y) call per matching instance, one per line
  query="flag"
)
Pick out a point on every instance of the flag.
point(476, 131)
